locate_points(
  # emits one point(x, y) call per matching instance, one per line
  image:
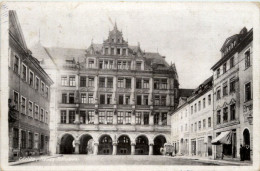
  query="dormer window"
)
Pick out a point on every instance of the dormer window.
point(118, 51)
point(138, 65)
point(91, 63)
point(106, 51)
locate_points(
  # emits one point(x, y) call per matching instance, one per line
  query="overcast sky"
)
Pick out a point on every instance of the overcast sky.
point(188, 34)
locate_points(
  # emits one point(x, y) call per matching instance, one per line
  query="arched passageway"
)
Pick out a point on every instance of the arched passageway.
point(86, 145)
point(142, 146)
point(246, 137)
point(105, 145)
point(159, 142)
point(66, 146)
point(124, 145)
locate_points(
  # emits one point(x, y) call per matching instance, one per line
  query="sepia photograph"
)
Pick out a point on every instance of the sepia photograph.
point(129, 85)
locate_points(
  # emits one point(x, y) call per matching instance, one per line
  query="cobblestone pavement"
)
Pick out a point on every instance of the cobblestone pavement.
point(90, 160)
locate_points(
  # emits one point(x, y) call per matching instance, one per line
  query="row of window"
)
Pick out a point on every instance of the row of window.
point(109, 64)
point(29, 140)
point(30, 108)
point(31, 79)
point(200, 106)
point(106, 117)
point(107, 82)
point(247, 58)
point(226, 116)
point(123, 99)
point(200, 125)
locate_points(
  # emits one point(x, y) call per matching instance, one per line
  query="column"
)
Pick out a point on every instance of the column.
point(132, 148)
point(95, 149)
point(160, 118)
point(67, 116)
point(77, 118)
point(95, 118)
point(58, 148)
point(150, 149)
point(142, 118)
point(114, 148)
point(86, 117)
point(151, 118)
point(76, 146)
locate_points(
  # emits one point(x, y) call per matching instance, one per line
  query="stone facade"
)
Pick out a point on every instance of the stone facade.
point(111, 98)
point(29, 98)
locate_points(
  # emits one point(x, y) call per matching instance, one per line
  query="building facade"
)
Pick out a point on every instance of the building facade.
point(29, 97)
point(192, 122)
point(233, 94)
point(112, 98)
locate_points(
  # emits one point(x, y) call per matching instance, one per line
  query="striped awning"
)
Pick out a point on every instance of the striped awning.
point(223, 138)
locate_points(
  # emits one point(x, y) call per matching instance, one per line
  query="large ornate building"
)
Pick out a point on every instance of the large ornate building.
point(110, 98)
point(29, 98)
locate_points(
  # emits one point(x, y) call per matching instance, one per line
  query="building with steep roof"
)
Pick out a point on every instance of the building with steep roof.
point(29, 98)
point(111, 98)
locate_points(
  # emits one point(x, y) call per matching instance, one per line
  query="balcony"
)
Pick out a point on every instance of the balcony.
point(112, 127)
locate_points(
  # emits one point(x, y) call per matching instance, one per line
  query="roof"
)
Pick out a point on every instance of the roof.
point(185, 92)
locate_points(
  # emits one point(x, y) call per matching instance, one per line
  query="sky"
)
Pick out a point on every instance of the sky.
point(188, 34)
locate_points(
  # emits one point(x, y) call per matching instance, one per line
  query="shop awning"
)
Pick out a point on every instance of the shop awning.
point(223, 138)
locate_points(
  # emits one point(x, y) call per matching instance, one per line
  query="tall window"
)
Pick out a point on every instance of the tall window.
point(138, 83)
point(138, 65)
point(83, 81)
point(233, 112)
point(23, 105)
point(218, 94)
point(109, 117)
point(209, 99)
point(15, 138)
point(46, 117)
point(128, 83)
point(71, 98)
point(91, 82)
point(163, 83)
point(145, 99)
point(128, 117)
point(146, 118)
point(42, 115)
point(43, 87)
point(110, 82)
point(232, 62)
point(199, 106)
point(63, 116)
point(224, 67)
point(64, 98)
point(164, 118)
point(127, 99)
point(157, 100)
point(72, 81)
point(120, 116)
point(91, 117)
point(91, 63)
point(218, 116)
point(156, 83)
point(83, 98)
point(102, 99)
point(218, 72)
point(120, 83)
point(109, 98)
point(71, 116)
point(163, 100)
point(63, 80)
point(121, 99)
point(24, 72)
point(101, 82)
point(36, 139)
point(101, 117)
point(30, 140)
point(191, 109)
point(232, 87)
point(47, 92)
point(146, 83)
point(37, 83)
point(23, 139)
point(195, 126)
point(139, 99)
point(156, 118)
point(225, 114)
point(36, 112)
point(31, 78)
point(247, 59)
point(30, 109)
point(82, 117)
point(199, 125)
point(204, 102)
point(225, 90)
point(16, 64)
point(138, 118)
point(248, 93)
point(195, 108)
point(209, 122)
point(204, 123)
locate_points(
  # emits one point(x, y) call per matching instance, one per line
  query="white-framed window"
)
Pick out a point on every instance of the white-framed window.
point(42, 115)
point(248, 91)
point(16, 64)
point(30, 108)
point(247, 55)
point(23, 105)
point(42, 87)
point(36, 111)
point(24, 72)
point(47, 92)
point(36, 140)
point(31, 78)
point(46, 117)
point(37, 83)
point(16, 100)
point(64, 80)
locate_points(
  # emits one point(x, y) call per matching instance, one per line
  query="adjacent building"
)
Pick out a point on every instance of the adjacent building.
point(233, 95)
point(29, 97)
point(111, 98)
point(192, 122)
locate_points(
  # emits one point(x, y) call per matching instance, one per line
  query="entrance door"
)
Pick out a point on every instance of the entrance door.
point(193, 147)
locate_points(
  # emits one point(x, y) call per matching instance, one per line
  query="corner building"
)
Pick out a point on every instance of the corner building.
point(112, 98)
